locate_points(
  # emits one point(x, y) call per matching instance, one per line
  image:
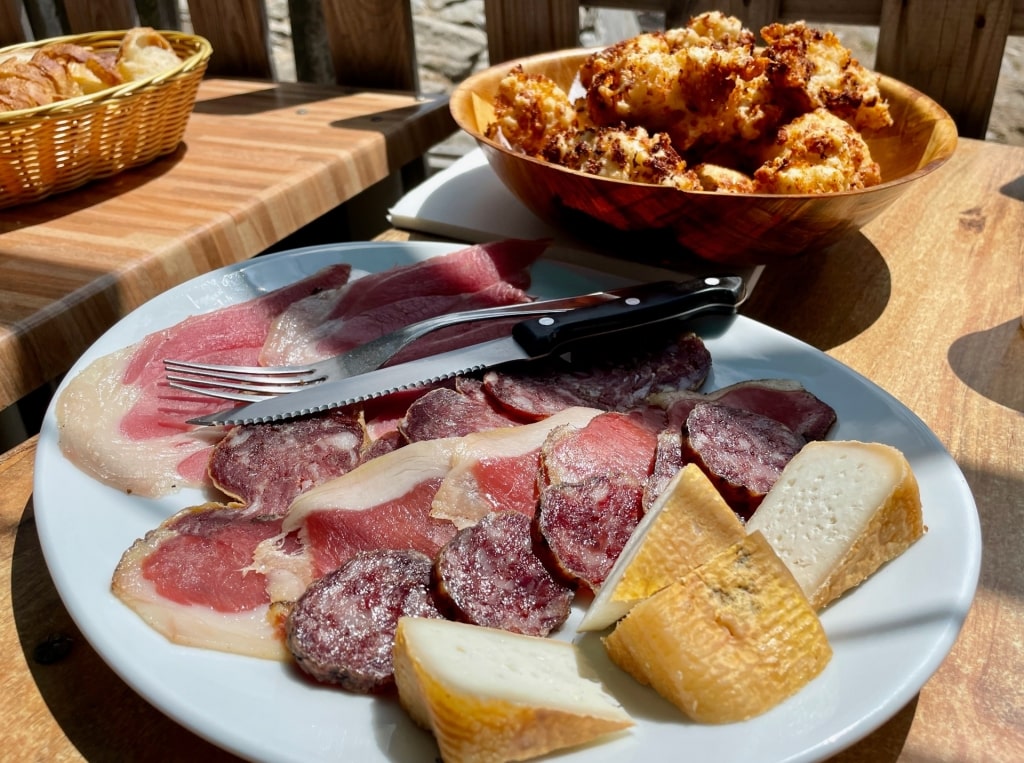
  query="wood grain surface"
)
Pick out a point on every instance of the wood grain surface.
point(926, 302)
point(258, 162)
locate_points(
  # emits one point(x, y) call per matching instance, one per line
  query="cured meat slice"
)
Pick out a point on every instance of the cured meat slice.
point(582, 528)
point(742, 452)
point(382, 504)
point(267, 466)
point(477, 276)
point(488, 575)
point(121, 423)
point(498, 469)
point(668, 459)
point(614, 378)
point(593, 481)
point(191, 580)
point(784, 400)
point(342, 629)
point(610, 443)
point(445, 412)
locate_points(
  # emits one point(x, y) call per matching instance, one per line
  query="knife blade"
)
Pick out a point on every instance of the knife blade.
point(531, 339)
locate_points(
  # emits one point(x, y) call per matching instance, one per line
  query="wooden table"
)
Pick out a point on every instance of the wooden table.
point(927, 303)
point(258, 161)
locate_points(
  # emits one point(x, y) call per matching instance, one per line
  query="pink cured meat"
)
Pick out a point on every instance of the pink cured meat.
point(742, 452)
point(489, 575)
point(383, 504)
point(478, 276)
point(784, 400)
point(267, 466)
point(232, 335)
point(192, 579)
point(591, 500)
point(609, 380)
point(342, 629)
point(122, 424)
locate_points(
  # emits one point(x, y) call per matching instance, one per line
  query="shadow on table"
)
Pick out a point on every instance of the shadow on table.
point(970, 358)
point(824, 298)
point(99, 713)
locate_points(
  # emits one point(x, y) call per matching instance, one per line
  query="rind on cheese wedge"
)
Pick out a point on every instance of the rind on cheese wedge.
point(839, 511)
point(688, 524)
point(729, 641)
point(490, 695)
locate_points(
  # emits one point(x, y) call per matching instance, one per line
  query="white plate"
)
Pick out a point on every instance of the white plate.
point(889, 635)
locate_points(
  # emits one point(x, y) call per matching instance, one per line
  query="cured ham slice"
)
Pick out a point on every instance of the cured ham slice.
point(479, 276)
point(382, 504)
point(742, 452)
point(342, 629)
point(497, 470)
point(190, 579)
point(267, 466)
point(616, 379)
point(591, 499)
point(120, 422)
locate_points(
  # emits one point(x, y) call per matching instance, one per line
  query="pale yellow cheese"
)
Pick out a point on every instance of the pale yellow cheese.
point(838, 512)
point(490, 695)
point(729, 641)
point(688, 524)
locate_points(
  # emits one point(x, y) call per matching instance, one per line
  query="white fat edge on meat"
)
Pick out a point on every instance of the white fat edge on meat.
point(294, 335)
point(458, 499)
point(89, 413)
point(251, 633)
point(382, 479)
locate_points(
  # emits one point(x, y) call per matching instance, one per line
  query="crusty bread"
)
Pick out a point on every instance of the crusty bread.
point(688, 524)
point(143, 53)
point(729, 641)
point(489, 695)
point(838, 512)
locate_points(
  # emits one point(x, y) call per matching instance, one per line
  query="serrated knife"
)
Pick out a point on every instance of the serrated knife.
point(531, 339)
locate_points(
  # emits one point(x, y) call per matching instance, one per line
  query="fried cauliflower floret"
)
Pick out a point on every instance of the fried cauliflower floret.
point(811, 69)
point(529, 110)
point(628, 153)
point(701, 84)
point(715, 177)
point(816, 153)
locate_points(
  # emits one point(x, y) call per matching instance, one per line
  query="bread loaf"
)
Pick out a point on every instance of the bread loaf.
point(688, 524)
point(729, 641)
point(489, 695)
point(838, 512)
point(58, 71)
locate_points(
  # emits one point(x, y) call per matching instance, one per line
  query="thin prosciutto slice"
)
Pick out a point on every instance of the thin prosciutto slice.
point(120, 422)
point(191, 579)
point(497, 470)
point(484, 275)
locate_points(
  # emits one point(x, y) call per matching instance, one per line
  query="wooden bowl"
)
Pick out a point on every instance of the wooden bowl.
point(723, 227)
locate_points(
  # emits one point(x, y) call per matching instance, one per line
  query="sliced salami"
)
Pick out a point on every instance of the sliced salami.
point(267, 466)
point(580, 529)
point(342, 629)
point(593, 379)
point(742, 452)
point(489, 575)
point(451, 413)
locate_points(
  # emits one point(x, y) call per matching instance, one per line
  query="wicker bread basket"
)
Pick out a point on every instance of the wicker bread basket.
point(54, 148)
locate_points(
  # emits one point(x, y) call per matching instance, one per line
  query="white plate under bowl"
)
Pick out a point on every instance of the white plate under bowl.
point(888, 636)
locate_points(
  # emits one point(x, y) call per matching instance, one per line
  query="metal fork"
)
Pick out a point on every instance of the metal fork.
point(247, 383)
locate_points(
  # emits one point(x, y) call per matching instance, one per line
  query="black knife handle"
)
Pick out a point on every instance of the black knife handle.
point(646, 304)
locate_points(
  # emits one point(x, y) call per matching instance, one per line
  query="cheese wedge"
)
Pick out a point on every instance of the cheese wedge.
point(489, 695)
point(729, 641)
point(838, 512)
point(688, 524)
